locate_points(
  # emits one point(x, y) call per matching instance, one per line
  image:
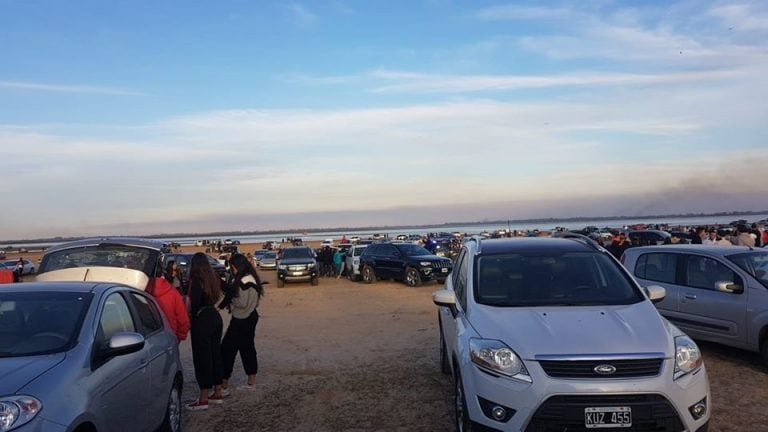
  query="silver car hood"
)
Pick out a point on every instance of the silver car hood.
point(16, 372)
point(576, 330)
point(133, 278)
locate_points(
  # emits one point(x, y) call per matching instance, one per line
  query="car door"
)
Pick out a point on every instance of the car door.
point(160, 346)
point(120, 384)
point(391, 262)
point(660, 268)
point(706, 312)
point(452, 325)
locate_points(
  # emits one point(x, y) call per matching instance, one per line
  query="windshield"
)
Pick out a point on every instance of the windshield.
point(105, 255)
point(754, 263)
point(34, 323)
point(296, 253)
point(270, 255)
point(413, 250)
point(566, 279)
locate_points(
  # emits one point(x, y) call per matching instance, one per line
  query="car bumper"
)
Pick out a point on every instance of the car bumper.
point(303, 275)
point(560, 403)
point(434, 273)
point(39, 424)
point(268, 266)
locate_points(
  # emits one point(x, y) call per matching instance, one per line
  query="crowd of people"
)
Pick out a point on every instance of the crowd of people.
point(192, 307)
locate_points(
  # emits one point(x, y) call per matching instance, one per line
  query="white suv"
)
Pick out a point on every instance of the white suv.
point(553, 335)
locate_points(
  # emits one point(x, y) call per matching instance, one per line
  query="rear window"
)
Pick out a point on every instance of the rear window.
point(105, 255)
point(565, 279)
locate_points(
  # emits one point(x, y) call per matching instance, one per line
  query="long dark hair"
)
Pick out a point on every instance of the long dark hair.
point(200, 271)
point(245, 268)
point(169, 270)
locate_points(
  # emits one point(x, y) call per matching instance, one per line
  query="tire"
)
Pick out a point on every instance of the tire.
point(461, 415)
point(172, 421)
point(314, 281)
point(764, 350)
point(280, 283)
point(445, 367)
point(412, 277)
point(369, 276)
point(441, 281)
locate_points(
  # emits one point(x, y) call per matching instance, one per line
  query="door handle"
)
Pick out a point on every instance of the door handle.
point(690, 296)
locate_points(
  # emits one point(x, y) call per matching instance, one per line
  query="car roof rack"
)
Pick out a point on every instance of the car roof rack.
point(479, 240)
point(581, 239)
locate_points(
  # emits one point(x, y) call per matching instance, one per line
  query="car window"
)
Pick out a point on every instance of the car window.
point(37, 323)
point(390, 252)
point(357, 251)
point(754, 263)
point(552, 279)
point(659, 267)
point(147, 313)
point(460, 280)
point(115, 317)
point(413, 250)
point(105, 255)
point(704, 272)
point(297, 253)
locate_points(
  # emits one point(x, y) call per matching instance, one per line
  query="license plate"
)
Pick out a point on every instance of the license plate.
point(296, 273)
point(445, 270)
point(608, 417)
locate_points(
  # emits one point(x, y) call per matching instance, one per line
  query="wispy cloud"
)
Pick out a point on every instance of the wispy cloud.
point(64, 88)
point(415, 82)
point(741, 17)
point(516, 12)
point(301, 15)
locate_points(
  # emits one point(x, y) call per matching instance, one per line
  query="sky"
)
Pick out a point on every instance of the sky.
point(139, 117)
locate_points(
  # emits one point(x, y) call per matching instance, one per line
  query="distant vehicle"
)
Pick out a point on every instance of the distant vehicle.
point(401, 237)
point(354, 239)
point(183, 261)
point(126, 260)
point(406, 262)
point(28, 267)
point(327, 242)
point(105, 346)
point(377, 237)
point(297, 264)
point(268, 261)
point(649, 237)
point(352, 262)
point(714, 293)
point(259, 254)
point(552, 334)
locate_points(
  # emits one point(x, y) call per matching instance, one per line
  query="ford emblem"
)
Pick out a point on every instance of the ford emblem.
point(605, 369)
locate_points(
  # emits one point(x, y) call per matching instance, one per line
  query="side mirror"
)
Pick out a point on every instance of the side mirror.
point(445, 298)
point(729, 287)
point(121, 344)
point(655, 293)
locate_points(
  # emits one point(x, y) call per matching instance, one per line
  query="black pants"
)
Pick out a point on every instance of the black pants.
point(206, 348)
point(240, 338)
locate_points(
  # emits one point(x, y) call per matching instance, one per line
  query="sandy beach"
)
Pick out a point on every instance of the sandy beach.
point(345, 356)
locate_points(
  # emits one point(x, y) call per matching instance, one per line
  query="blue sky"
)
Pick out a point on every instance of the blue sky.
point(140, 117)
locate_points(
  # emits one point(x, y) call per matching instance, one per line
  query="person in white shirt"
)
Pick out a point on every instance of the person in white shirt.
point(711, 238)
point(243, 295)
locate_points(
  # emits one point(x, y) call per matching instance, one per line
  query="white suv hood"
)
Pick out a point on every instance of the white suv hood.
point(575, 330)
point(132, 278)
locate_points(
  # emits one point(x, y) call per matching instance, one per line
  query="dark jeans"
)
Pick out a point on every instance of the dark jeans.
point(206, 347)
point(240, 338)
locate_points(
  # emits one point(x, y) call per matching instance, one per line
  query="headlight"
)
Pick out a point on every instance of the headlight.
point(425, 264)
point(497, 357)
point(17, 410)
point(283, 267)
point(311, 265)
point(687, 356)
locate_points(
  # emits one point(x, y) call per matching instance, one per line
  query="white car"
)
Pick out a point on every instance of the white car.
point(554, 334)
point(327, 242)
point(352, 261)
point(12, 265)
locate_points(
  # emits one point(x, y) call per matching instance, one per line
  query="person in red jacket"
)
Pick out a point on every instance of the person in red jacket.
point(172, 304)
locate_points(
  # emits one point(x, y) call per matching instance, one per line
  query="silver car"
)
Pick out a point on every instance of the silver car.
point(553, 334)
point(268, 261)
point(352, 261)
point(714, 293)
point(84, 357)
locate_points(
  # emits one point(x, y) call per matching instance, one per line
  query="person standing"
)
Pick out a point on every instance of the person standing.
point(172, 304)
point(206, 328)
point(243, 297)
point(175, 278)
